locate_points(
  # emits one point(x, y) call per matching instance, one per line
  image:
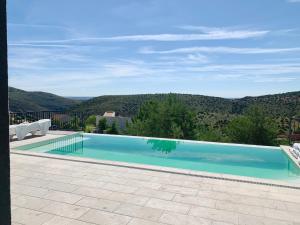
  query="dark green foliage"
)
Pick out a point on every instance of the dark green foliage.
point(24, 101)
point(168, 118)
point(90, 124)
point(113, 129)
point(91, 120)
point(128, 105)
point(208, 133)
point(255, 127)
point(102, 125)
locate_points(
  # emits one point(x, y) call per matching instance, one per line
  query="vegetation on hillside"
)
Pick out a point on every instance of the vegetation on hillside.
point(24, 101)
point(255, 127)
point(168, 118)
point(128, 105)
point(176, 115)
point(171, 118)
point(213, 114)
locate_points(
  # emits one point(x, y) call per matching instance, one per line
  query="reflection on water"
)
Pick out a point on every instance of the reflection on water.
point(164, 146)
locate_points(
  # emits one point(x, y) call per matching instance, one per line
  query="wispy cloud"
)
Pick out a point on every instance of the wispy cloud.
point(207, 34)
point(39, 45)
point(225, 50)
point(189, 59)
point(47, 26)
point(293, 1)
point(249, 70)
point(274, 79)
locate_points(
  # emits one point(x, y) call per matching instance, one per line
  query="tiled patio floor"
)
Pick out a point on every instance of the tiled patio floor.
point(59, 192)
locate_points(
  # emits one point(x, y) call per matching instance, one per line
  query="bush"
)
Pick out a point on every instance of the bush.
point(91, 120)
point(253, 128)
point(89, 128)
point(169, 118)
point(207, 133)
point(113, 129)
point(102, 125)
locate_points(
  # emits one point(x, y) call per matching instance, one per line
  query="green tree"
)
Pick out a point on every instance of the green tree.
point(91, 120)
point(208, 133)
point(113, 129)
point(168, 118)
point(90, 124)
point(255, 127)
point(102, 125)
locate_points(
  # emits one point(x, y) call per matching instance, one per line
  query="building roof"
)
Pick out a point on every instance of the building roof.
point(110, 114)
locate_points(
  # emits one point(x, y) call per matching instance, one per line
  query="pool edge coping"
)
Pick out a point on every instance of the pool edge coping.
point(286, 150)
point(202, 174)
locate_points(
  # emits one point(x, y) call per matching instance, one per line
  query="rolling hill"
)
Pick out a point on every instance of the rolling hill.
point(127, 105)
point(24, 101)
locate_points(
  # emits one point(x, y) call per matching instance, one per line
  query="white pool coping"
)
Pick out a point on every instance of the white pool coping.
point(286, 150)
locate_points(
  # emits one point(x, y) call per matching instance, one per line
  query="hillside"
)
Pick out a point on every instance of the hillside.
point(127, 105)
point(23, 101)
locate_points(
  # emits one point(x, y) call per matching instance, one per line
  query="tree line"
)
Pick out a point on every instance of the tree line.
point(171, 117)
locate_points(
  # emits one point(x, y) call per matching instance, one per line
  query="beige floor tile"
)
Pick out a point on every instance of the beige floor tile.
point(58, 220)
point(255, 220)
point(179, 189)
point(129, 198)
point(215, 214)
point(144, 184)
point(104, 218)
point(282, 215)
point(155, 193)
point(30, 217)
point(63, 197)
point(168, 205)
point(180, 219)
point(139, 211)
point(59, 186)
point(138, 197)
point(96, 203)
point(240, 208)
point(136, 221)
point(28, 190)
point(65, 210)
point(29, 202)
point(92, 192)
point(195, 200)
point(119, 188)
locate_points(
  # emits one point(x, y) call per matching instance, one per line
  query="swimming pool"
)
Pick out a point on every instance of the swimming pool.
point(242, 160)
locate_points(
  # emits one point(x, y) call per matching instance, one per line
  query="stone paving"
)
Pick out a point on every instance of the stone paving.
point(49, 191)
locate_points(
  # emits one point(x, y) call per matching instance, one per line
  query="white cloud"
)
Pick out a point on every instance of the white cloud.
point(47, 26)
point(39, 45)
point(225, 50)
point(248, 70)
point(293, 1)
point(206, 35)
point(274, 79)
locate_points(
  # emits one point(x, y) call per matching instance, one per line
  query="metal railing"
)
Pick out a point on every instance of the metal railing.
point(59, 120)
point(63, 145)
point(68, 144)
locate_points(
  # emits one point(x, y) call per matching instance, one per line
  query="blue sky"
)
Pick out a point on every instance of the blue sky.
point(227, 48)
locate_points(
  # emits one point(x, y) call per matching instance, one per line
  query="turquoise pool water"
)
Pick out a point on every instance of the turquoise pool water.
point(242, 160)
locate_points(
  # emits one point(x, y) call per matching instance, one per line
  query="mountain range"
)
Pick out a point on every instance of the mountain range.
point(285, 104)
